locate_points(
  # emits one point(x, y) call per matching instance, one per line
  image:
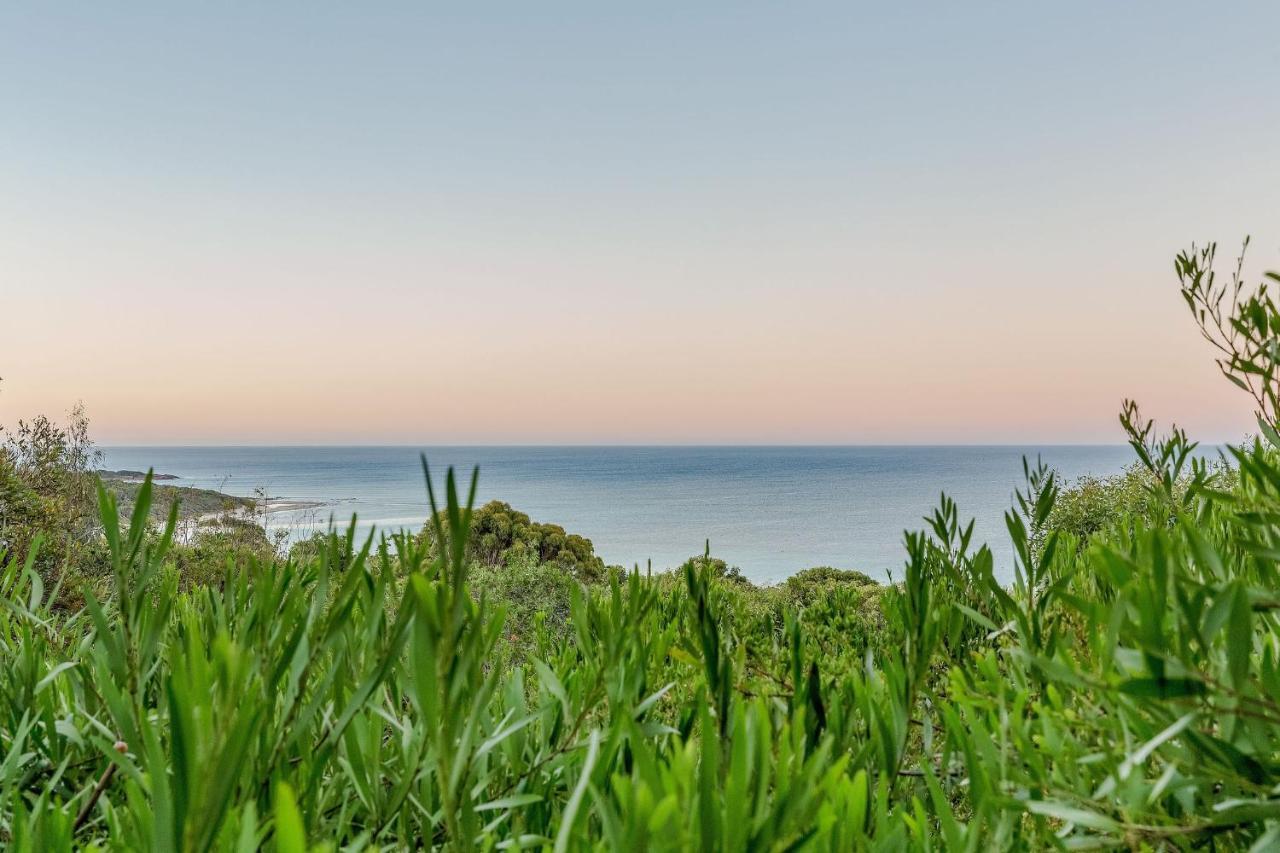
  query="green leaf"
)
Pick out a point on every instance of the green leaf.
point(570, 816)
point(290, 836)
point(509, 802)
point(1072, 814)
point(1239, 637)
point(1163, 688)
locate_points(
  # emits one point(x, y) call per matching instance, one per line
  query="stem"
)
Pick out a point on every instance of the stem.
point(103, 782)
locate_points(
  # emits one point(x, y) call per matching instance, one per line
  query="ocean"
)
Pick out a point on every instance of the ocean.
point(771, 511)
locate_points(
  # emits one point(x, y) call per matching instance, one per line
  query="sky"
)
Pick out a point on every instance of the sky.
point(607, 224)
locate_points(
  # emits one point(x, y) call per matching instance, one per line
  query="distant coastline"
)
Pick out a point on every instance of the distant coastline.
point(128, 476)
point(196, 503)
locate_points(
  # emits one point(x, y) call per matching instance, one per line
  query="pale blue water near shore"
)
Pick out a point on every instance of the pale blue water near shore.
point(770, 510)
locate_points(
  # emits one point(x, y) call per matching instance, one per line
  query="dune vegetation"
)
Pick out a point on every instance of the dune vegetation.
point(491, 684)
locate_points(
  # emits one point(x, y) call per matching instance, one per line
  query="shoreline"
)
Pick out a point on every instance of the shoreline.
point(268, 506)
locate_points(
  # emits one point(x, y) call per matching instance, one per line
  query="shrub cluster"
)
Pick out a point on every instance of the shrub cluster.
point(502, 535)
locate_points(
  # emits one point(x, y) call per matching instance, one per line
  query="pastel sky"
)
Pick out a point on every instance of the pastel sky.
point(588, 223)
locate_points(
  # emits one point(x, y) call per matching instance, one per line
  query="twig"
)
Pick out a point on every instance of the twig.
point(93, 798)
point(103, 782)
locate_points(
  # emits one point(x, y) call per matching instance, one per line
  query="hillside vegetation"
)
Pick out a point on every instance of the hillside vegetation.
point(490, 684)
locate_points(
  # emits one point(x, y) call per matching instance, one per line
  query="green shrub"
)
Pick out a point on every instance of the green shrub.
point(718, 568)
point(501, 535)
point(807, 586)
point(47, 491)
point(537, 596)
point(220, 548)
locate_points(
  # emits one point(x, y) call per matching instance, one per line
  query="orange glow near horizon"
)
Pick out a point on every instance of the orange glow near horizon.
point(833, 363)
point(682, 224)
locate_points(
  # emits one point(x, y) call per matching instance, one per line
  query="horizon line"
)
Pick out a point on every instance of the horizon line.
point(620, 445)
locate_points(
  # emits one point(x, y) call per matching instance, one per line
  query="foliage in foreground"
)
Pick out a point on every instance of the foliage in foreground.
point(1124, 692)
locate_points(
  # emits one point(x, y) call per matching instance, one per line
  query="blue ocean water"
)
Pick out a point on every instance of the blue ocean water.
point(769, 510)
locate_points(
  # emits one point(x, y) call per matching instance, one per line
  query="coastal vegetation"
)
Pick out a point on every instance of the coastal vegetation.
point(193, 503)
point(500, 535)
point(491, 684)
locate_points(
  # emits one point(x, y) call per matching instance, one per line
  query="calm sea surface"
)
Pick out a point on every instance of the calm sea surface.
point(770, 510)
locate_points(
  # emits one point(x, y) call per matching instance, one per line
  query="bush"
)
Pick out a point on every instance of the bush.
point(537, 597)
point(220, 548)
point(502, 535)
point(809, 585)
point(718, 568)
point(47, 491)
